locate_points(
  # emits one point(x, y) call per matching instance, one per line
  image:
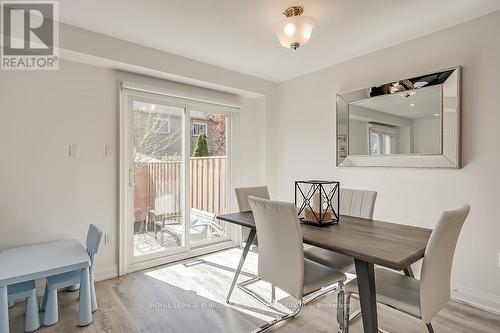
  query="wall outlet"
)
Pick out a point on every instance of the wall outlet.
point(74, 151)
point(108, 238)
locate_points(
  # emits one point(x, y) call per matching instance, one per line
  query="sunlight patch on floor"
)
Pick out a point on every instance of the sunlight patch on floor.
point(212, 277)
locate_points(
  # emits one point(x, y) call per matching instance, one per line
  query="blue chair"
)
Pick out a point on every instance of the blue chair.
point(70, 280)
point(26, 290)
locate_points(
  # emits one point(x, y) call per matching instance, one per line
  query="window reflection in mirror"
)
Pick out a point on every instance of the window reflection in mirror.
point(409, 122)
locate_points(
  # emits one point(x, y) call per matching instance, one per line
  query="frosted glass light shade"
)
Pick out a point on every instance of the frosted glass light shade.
point(294, 31)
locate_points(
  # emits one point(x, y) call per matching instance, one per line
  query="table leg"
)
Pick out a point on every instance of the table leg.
point(4, 310)
point(409, 272)
point(85, 311)
point(367, 295)
point(251, 236)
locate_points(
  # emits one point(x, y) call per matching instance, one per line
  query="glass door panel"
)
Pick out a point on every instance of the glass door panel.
point(208, 175)
point(158, 169)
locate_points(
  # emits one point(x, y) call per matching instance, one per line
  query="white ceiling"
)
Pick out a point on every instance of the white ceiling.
point(237, 34)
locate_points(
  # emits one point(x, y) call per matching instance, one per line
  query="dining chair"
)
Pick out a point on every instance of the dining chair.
point(242, 194)
point(423, 298)
point(281, 254)
point(26, 290)
point(70, 279)
point(357, 203)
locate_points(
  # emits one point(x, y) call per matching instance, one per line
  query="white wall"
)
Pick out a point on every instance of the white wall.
point(427, 136)
point(45, 195)
point(304, 144)
point(358, 137)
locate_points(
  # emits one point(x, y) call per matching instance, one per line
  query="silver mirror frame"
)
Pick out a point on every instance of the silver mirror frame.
point(450, 156)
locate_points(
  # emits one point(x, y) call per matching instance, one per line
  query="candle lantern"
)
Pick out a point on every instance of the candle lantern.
point(318, 201)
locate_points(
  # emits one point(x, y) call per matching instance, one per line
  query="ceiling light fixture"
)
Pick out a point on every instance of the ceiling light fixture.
point(412, 104)
point(420, 84)
point(295, 30)
point(407, 93)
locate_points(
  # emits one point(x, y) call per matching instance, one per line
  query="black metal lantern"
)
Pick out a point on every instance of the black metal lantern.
point(318, 201)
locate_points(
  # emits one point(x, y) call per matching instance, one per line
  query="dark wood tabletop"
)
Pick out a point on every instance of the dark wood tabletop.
point(392, 245)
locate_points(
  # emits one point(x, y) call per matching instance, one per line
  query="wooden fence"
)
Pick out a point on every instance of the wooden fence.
point(158, 187)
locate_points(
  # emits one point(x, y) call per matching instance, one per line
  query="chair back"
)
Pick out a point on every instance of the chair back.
point(242, 194)
point(93, 240)
point(438, 259)
point(281, 256)
point(357, 203)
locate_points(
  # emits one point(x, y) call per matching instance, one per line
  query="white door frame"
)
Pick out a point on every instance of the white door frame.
point(127, 263)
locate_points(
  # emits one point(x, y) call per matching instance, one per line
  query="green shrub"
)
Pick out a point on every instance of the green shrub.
point(201, 148)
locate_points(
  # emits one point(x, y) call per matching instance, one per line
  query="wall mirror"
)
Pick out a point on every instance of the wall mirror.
point(412, 122)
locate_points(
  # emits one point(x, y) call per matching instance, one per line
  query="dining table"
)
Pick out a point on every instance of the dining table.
point(369, 242)
point(41, 260)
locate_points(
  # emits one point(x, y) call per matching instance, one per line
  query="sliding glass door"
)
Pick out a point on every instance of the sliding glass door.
point(208, 175)
point(178, 170)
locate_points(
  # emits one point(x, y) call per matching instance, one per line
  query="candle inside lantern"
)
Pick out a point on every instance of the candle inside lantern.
point(316, 206)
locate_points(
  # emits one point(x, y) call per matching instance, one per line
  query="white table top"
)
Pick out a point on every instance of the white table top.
point(41, 260)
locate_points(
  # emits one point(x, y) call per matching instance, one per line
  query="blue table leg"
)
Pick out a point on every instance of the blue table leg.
point(4, 310)
point(32, 317)
point(85, 312)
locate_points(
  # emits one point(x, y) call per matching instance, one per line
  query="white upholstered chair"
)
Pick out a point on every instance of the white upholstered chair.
point(242, 194)
point(357, 203)
point(281, 254)
point(422, 298)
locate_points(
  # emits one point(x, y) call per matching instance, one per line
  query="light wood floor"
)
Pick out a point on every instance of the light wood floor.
point(176, 298)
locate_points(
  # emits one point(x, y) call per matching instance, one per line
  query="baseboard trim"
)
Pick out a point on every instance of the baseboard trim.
point(109, 272)
point(478, 299)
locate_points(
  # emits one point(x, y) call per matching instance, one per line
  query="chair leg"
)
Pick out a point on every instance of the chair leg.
point(32, 318)
point(279, 319)
point(340, 307)
point(323, 291)
point(85, 304)
point(355, 313)
point(347, 309)
point(243, 287)
point(429, 327)
point(51, 307)
point(44, 300)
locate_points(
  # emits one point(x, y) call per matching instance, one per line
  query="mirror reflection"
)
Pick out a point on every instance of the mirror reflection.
point(409, 122)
